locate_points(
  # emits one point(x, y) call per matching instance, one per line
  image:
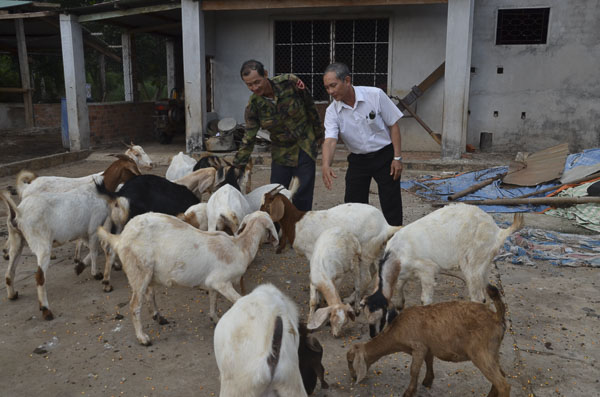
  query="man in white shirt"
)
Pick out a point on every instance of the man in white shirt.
point(366, 120)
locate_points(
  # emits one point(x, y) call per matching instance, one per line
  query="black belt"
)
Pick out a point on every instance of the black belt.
point(373, 154)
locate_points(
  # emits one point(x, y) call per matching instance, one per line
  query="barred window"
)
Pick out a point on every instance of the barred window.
point(305, 48)
point(522, 26)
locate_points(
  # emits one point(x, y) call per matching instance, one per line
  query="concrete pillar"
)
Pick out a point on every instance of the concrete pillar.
point(170, 67)
point(459, 34)
point(24, 70)
point(74, 69)
point(194, 72)
point(126, 48)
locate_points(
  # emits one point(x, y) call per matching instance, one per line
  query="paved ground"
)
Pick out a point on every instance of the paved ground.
point(551, 348)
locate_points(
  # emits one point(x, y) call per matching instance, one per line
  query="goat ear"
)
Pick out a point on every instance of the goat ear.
point(351, 314)
point(359, 364)
point(319, 318)
point(277, 210)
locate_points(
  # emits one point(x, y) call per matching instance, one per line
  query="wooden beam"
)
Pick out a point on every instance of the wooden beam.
point(24, 69)
point(221, 5)
point(28, 15)
point(155, 28)
point(89, 43)
point(132, 11)
point(13, 90)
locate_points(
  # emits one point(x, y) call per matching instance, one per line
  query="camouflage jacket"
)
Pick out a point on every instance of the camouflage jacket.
point(291, 119)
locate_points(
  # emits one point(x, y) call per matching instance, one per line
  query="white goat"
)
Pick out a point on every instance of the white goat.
point(256, 346)
point(28, 183)
point(336, 253)
point(255, 197)
point(181, 165)
point(161, 249)
point(458, 235)
point(226, 208)
point(51, 218)
point(196, 216)
point(302, 229)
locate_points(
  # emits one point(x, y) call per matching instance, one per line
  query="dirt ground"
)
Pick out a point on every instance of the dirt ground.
point(550, 349)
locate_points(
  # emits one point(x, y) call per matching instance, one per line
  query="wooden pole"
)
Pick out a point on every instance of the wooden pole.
point(475, 187)
point(24, 68)
point(552, 201)
point(436, 137)
point(549, 189)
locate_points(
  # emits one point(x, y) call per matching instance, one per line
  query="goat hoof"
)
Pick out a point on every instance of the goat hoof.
point(160, 319)
point(427, 382)
point(99, 276)
point(145, 341)
point(107, 288)
point(117, 267)
point(52, 256)
point(79, 267)
point(14, 297)
point(47, 314)
point(324, 385)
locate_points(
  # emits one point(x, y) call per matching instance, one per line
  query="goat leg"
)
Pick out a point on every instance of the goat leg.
point(428, 381)
point(418, 355)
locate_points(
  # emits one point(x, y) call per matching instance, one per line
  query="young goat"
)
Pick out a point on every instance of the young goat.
point(451, 331)
point(302, 228)
point(45, 219)
point(337, 253)
point(161, 249)
point(261, 350)
point(458, 235)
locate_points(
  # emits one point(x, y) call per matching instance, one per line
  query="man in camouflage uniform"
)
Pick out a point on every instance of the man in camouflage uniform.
point(283, 106)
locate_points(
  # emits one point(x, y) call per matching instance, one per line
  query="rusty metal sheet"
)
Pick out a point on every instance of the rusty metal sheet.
point(540, 167)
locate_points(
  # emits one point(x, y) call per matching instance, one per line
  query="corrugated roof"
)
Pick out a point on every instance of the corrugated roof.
point(11, 3)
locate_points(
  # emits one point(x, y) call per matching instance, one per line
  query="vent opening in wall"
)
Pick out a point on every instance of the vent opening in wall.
point(522, 26)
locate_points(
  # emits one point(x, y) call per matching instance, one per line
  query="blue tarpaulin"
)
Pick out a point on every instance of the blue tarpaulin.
point(440, 189)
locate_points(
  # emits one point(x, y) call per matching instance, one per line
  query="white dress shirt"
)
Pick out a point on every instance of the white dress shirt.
point(364, 128)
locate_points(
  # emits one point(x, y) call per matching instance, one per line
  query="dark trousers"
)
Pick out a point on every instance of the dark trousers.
point(305, 171)
point(363, 167)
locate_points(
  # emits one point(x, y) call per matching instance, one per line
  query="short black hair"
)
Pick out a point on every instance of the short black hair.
point(341, 70)
point(250, 65)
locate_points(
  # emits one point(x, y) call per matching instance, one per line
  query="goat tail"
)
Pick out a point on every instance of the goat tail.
point(24, 178)
point(517, 224)
point(11, 207)
point(498, 303)
point(108, 238)
point(391, 231)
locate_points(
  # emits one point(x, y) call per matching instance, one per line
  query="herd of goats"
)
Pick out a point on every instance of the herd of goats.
point(164, 235)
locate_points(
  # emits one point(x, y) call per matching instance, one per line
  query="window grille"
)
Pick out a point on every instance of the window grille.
point(305, 48)
point(522, 26)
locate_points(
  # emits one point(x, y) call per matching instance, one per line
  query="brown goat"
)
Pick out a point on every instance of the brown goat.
point(281, 210)
point(451, 331)
point(120, 171)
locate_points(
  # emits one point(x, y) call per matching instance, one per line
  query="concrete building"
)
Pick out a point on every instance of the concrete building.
point(523, 71)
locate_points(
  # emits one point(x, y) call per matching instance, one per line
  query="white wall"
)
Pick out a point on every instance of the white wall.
point(557, 85)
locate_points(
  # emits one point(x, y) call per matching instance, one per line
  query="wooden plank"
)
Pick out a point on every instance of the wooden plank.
point(221, 5)
point(420, 89)
point(23, 15)
point(88, 42)
point(132, 11)
point(543, 166)
point(13, 90)
point(24, 71)
point(436, 137)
